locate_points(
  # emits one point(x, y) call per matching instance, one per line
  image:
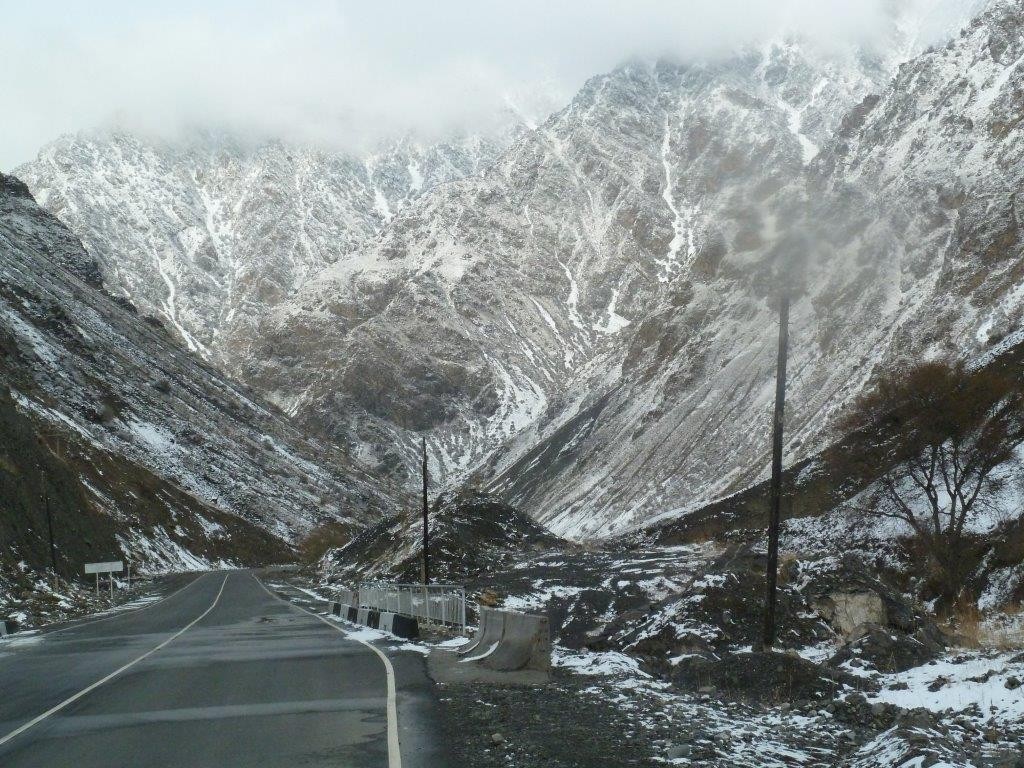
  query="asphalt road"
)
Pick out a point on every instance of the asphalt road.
point(220, 673)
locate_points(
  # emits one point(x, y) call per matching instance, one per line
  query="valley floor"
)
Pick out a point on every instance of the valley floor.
point(621, 693)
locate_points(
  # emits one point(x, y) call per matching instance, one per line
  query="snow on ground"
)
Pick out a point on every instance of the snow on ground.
point(991, 681)
point(537, 600)
point(315, 595)
point(597, 663)
point(162, 554)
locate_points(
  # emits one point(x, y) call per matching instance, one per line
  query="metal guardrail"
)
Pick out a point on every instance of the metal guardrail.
point(434, 603)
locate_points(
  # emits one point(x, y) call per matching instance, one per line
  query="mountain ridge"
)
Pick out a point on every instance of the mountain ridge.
point(603, 286)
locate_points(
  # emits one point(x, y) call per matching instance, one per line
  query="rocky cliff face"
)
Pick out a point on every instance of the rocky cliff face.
point(911, 249)
point(475, 310)
point(140, 447)
point(587, 325)
point(208, 231)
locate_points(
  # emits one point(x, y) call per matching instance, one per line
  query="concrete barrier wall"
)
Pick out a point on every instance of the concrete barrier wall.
point(525, 643)
point(492, 623)
point(5, 628)
point(402, 626)
point(406, 627)
point(474, 643)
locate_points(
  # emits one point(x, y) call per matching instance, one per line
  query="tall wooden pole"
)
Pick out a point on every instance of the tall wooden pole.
point(426, 529)
point(49, 529)
point(776, 482)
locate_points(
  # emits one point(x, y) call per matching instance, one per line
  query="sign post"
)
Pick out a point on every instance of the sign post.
point(112, 567)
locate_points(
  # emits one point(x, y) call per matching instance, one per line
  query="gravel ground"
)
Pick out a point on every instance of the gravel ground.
point(587, 722)
point(555, 726)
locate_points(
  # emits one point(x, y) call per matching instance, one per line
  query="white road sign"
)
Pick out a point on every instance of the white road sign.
point(115, 566)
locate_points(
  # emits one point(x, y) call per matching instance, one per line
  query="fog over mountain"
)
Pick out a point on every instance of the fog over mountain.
point(347, 74)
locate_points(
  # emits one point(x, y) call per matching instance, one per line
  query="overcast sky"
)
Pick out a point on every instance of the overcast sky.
point(345, 72)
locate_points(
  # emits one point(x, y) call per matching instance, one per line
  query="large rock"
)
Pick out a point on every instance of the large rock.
point(848, 611)
point(890, 650)
point(853, 594)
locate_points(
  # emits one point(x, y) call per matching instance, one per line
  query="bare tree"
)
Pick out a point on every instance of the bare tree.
point(953, 433)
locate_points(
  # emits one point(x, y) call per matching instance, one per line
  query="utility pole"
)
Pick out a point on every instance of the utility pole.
point(426, 510)
point(49, 528)
point(776, 482)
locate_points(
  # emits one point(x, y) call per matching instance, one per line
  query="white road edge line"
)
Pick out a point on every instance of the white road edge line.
point(119, 614)
point(38, 719)
point(394, 748)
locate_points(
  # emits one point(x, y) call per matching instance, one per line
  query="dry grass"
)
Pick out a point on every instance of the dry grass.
point(973, 629)
point(320, 540)
point(965, 623)
point(1008, 635)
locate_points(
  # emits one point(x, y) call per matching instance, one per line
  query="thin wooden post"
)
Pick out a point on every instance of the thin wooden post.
point(426, 526)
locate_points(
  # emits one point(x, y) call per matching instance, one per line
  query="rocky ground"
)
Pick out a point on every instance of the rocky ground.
point(653, 660)
point(603, 708)
point(492, 726)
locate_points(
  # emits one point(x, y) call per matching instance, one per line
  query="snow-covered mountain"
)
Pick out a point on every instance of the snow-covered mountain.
point(910, 226)
point(207, 231)
point(584, 321)
point(472, 313)
point(140, 447)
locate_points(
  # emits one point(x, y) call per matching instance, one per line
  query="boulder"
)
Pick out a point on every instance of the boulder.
point(847, 611)
point(890, 650)
point(851, 597)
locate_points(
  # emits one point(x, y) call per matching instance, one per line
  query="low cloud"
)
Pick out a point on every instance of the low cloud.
point(347, 73)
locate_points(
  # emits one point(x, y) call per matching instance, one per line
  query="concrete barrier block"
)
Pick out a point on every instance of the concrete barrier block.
point(487, 618)
point(387, 621)
point(361, 616)
point(373, 619)
point(405, 627)
point(491, 630)
point(336, 609)
point(353, 614)
point(525, 643)
point(474, 641)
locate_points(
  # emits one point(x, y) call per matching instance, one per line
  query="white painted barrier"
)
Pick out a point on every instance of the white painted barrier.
point(489, 631)
point(433, 603)
point(405, 627)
